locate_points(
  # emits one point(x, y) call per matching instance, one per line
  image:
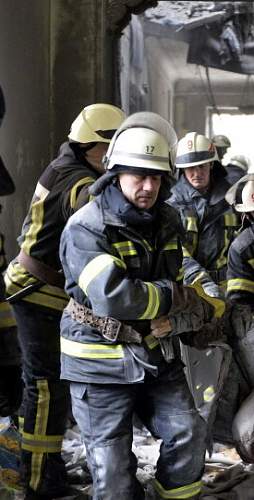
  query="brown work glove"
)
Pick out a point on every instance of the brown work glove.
point(209, 333)
point(186, 299)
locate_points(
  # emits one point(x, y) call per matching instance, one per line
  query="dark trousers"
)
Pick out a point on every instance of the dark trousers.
point(46, 401)
point(104, 414)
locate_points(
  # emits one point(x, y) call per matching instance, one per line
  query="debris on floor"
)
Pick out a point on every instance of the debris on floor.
point(226, 476)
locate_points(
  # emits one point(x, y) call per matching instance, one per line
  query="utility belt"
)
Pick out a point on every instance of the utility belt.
point(41, 271)
point(111, 329)
point(218, 275)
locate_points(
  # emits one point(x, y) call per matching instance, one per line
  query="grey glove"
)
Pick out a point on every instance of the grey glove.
point(241, 319)
point(212, 289)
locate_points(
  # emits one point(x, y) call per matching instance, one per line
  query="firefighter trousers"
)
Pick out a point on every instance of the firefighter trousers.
point(46, 400)
point(104, 413)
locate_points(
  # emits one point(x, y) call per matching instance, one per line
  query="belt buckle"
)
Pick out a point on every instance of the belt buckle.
point(111, 328)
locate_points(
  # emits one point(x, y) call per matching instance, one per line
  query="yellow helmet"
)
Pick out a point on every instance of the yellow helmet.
point(195, 149)
point(246, 184)
point(145, 140)
point(96, 123)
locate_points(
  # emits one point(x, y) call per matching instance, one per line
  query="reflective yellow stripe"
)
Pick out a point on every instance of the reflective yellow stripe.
point(37, 214)
point(125, 248)
point(222, 259)
point(19, 275)
point(231, 220)
point(91, 351)
point(37, 443)
point(6, 316)
point(187, 491)
point(251, 262)
point(241, 285)
point(147, 245)
point(180, 274)
point(39, 430)
point(81, 182)
point(171, 245)
point(151, 341)
point(95, 267)
point(192, 224)
point(21, 424)
point(186, 252)
point(47, 296)
point(153, 302)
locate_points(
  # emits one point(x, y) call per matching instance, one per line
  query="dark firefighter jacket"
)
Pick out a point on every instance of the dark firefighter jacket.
point(9, 350)
point(210, 226)
point(114, 269)
point(240, 275)
point(54, 201)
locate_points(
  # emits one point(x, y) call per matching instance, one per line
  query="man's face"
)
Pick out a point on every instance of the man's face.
point(95, 155)
point(199, 176)
point(141, 190)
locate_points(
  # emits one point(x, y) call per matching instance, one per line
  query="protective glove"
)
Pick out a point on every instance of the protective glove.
point(209, 333)
point(212, 289)
point(11, 389)
point(186, 298)
point(218, 304)
point(188, 313)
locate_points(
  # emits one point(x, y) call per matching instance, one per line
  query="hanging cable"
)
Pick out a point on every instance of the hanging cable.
point(210, 90)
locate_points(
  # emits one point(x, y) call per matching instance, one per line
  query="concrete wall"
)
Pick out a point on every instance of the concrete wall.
point(24, 77)
point(55, 58)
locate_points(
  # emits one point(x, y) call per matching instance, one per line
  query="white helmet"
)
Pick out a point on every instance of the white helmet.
point(239, 161)
point(246, 183)
point(96, 123)
point(145, 140)
point(195, 149)
point(221, 141)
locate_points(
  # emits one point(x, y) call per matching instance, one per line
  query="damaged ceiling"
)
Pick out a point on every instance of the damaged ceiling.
point(219, 34)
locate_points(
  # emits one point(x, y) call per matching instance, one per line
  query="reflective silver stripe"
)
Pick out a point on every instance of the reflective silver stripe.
point(147, 157)
point(91, 351)
point(95, 267)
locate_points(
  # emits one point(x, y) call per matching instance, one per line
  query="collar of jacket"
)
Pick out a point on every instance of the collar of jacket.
point(183, 191)
point(67, 159)
point(167, 216)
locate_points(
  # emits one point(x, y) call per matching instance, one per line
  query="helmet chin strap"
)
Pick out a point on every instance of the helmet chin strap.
point(249, 216)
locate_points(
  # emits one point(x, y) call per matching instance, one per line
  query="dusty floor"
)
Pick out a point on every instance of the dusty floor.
point(226, 476)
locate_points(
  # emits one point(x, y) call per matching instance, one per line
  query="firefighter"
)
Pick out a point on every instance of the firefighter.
point(240, 284)
point(238, 166)
point(222, 144)
point(36, 285)
point(240, 293)
point(209, 221)
point(122, 258)
point(210, 225)
point(233, 168)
